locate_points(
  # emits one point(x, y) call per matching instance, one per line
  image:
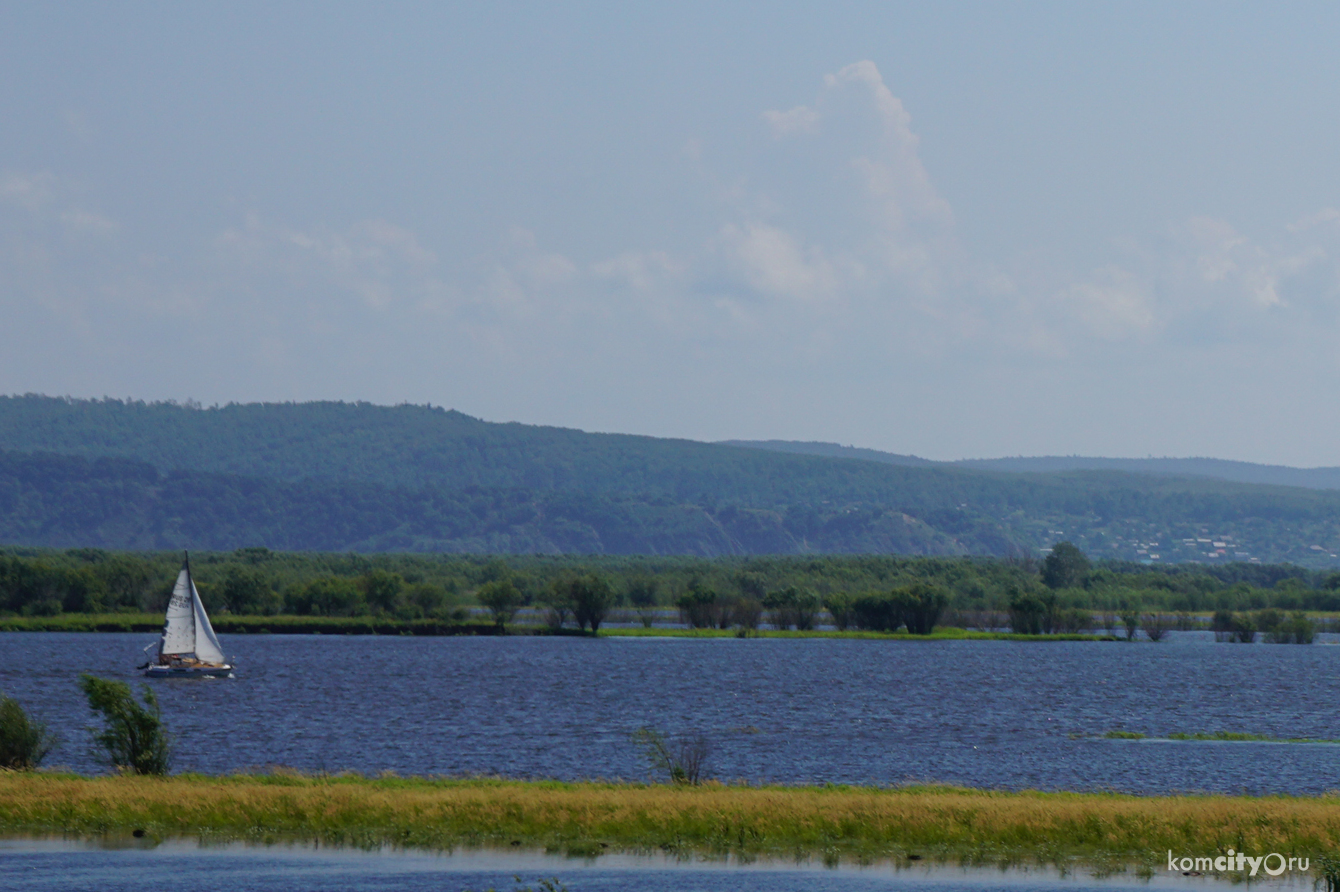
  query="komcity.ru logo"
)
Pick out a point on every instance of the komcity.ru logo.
point(1273, 864)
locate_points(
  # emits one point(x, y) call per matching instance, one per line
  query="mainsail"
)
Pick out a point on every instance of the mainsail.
point(187, 629)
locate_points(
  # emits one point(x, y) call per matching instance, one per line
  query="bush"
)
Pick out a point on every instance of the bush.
point(839, 605)
point(325, 596)
point(502, 599)
point(746, 612)
point(24, 742)
point(1156, 625)
point(135, 739)
point(684, 760)
point(701, 607)
point(876, 612)
point(1028, 614)
point(1297, 629)
point(246, 590)
point(919, 607)
point(792, 607)
point(592, 598)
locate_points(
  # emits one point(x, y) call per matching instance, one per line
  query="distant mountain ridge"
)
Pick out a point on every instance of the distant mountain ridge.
point(361, 477)
point(1214, 468)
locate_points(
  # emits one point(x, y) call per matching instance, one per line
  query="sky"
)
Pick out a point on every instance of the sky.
point(952, 229)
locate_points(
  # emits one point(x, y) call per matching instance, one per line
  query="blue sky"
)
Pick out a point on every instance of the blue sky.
point(956, 230)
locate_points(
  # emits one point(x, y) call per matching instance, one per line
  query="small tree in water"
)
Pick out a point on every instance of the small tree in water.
point(135, 739)
point(684, 760)
point(24, 742)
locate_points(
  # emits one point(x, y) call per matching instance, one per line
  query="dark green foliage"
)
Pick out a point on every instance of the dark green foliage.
point(591, 597)
point(1030, 612)
point(920, 606)
point(793, 607)
point(247, 590)
point(134, 738)
point(917, 606)
point(381, 590)
point(410, 586)
point(336, 477)
point(1281, 629)
point(840, 607)
point(325, 596)
point(24, 742)
point(502, 599)
point(702, 608)
point(1065, 567)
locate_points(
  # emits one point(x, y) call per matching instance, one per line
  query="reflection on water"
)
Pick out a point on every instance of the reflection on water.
point(28, 866)
point(978, 713)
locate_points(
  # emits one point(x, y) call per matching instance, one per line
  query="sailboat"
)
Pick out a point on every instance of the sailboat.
point(188, 648)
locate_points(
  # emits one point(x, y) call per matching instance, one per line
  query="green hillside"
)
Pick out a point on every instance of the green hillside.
point(353, 476)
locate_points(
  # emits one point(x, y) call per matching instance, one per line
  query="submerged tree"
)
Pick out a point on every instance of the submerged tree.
point(684, 759)
point(135, 739)
point(24, 741)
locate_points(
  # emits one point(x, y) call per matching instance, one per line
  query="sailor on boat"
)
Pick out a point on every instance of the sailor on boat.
point(188, 647)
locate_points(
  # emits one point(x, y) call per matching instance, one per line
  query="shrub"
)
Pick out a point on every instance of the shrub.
point(1297, 629)
point(502, 599)
point(919, 607)
point(700, 607)
point(1244, 628)
point(558, 603)
point(135, 738)
point(246, 590)
point(875, 611)
point(24, 742)
point(325, 596)
point(1131, 621)
point(592, 598)
point(839, 605)
point(746, 612)
point(644, 595)
point(683, 760)
point(381, 590)
point(1156, 625)
point(1028, 613)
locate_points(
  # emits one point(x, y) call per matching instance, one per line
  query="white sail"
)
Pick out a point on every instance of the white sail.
point(179, 627)
point(207, 647)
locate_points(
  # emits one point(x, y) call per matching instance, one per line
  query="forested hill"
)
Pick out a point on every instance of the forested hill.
point(1215, 468)
point(352, 476)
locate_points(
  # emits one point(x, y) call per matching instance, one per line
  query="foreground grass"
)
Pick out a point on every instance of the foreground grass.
point(832, 823)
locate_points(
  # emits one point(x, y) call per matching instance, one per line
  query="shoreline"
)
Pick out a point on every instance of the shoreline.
point(227, 624)
point(1107, 832)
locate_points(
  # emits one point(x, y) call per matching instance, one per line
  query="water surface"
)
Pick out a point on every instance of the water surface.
point(979, 713)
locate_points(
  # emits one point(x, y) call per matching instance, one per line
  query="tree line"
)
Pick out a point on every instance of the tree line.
point(1063, 593)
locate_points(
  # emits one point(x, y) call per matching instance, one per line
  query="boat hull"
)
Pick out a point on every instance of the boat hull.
point(157, 671)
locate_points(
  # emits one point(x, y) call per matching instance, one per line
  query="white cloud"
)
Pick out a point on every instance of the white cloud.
point(1113, 305)
point(31, 191)
point(801, 119)
point(81, 220)
point(773, 263)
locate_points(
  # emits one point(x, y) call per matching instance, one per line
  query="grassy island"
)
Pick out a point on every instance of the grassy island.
point(835, 824)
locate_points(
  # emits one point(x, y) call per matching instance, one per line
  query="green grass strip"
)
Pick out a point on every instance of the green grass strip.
point(832, 823)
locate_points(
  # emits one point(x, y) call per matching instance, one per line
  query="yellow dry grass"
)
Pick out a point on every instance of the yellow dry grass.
point(832, 822)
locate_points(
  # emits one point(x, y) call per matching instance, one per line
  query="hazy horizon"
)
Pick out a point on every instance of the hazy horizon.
point(948, 231)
